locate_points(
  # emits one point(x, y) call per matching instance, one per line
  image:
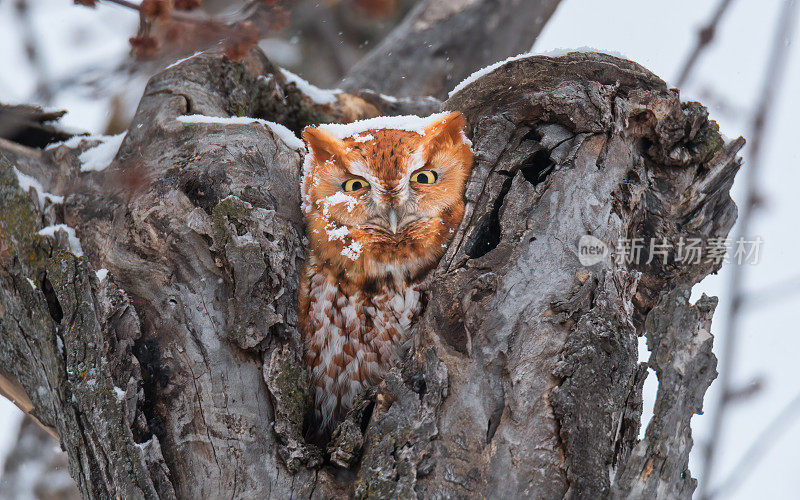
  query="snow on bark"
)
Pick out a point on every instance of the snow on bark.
point(409, 123)
point(101, 155)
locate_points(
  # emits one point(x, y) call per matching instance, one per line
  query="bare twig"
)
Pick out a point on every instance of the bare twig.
point(704, 38)
point(768, 437)
point(13, 391)
point(245, 12)
point(772, 80)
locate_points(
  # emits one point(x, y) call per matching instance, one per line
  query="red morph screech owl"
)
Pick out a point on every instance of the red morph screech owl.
point(381, 198)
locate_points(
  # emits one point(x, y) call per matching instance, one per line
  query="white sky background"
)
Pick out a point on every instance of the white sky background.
point(657, 35)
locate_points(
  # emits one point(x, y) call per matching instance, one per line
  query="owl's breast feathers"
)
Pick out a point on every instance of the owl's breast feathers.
point(351, 334)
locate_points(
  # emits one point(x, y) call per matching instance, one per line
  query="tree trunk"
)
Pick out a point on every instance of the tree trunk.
point(178, 373)
point(441, 42)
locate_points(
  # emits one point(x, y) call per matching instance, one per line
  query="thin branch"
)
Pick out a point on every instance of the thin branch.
point(13, 391)
point(704, 38)
point(125, 3)
point(245, 12)
point(771, 84)
point(760, 447)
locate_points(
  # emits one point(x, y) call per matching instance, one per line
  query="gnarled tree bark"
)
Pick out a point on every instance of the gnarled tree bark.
point(178, 373)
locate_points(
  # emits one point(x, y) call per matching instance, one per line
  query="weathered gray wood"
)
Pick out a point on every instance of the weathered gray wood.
point(523, 379)
point(532, 355)
point(441, 42)
point(658, 465)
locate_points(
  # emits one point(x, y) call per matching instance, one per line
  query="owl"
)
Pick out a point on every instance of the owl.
point(381, 200)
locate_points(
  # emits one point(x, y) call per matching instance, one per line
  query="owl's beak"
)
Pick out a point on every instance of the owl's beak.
point(392, 216)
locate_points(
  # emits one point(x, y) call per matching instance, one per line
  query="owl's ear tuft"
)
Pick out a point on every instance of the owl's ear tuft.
point(447, 130)
point(323, 145)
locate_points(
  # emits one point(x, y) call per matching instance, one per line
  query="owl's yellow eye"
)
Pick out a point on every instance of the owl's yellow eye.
point(351, 185)
point(424, 177)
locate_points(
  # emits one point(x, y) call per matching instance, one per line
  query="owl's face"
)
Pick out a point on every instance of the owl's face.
point(384, 202)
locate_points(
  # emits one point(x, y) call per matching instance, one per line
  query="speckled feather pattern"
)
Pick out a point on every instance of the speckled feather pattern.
point(351, 339)
point(361, 286)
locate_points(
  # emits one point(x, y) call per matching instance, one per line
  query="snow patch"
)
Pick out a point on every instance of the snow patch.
point(224, 120)
point(74, 242)
point(283, 133)
point(336, 233)
point(31, 283)
point(26, 182)
point(409, 123)
point(120, 393)
point(318, 95)
point(286, 135)
point(485, 71)
point(184, 59)
point(101, 274)
point(353, 251)
point(335, 199)
point(550, 53)
point(363, 138)
point(99, 157)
